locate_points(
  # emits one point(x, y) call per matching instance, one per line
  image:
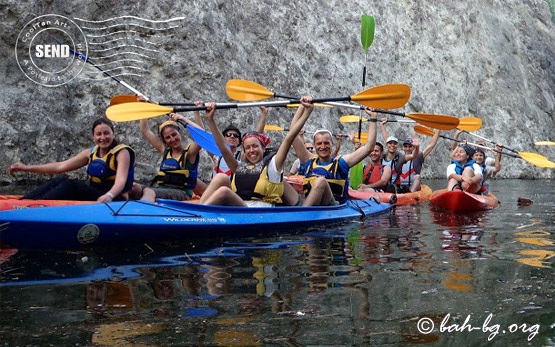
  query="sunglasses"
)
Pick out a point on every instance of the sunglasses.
point(310, 148)
point(232, 135)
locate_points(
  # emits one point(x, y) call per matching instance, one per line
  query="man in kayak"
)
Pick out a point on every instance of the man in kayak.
point(326, 178)
point(463, 173)
point(410, 179)
point(376, 175)
point(258, 179)
point(395, 159)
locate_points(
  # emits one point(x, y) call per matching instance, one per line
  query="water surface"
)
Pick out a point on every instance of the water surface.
point(414, 276)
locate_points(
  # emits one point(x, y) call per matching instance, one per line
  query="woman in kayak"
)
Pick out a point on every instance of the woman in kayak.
point(489, 167)
point(463, 173)
point(110, 168)
point(376, 175)
point(177, 177)
point(258, 179)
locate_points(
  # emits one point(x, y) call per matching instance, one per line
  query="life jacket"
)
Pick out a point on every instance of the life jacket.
point(393, 164)
point(102, 171)
point(459, 168)
point(407, 174)
point(251, 182)
point(177, 173)
point(338, 181)
point(222, 167)
point(373, 173)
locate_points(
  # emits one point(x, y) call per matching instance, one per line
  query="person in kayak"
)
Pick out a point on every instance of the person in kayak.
point(110, 167)
point(258, 179)
point(463, 173)
point(396, 159)
point(232, 135)
point(409, 180)
point(376, 175)
point(326, 175)
point(177, 177)
point(488, 170)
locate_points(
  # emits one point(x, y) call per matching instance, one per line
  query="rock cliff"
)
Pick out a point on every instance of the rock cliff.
point(490, 59)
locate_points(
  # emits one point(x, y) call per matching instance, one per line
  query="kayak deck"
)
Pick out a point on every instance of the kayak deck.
point(140, 221)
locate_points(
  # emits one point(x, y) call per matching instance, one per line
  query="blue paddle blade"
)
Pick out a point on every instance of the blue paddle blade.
point(204, 139)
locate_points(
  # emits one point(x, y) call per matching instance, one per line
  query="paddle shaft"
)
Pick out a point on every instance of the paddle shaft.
point(488, 140)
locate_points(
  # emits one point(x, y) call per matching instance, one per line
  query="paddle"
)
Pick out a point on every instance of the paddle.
point(367, 28)
point(203, 138)
point(533, 158)
point(356, 119)
point(469, 123)
point(464, 123)
point(545, 143)
point(122, 99)
point(140, 110)
point(384, 96)
point(273, 127)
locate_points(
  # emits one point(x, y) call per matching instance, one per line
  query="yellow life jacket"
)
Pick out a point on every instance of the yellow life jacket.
point(251, 182)
point(337, 182)
point(102, 170)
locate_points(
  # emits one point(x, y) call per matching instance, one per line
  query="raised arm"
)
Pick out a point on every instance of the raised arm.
point(292, 136)
point(385, 134)
point(298, 143)
point(262, 121)
point(154, 140)
point(219, 137)
point(430, 147)
point(194, 148)
point(358, 155)
point(339, 138)
point(454, 144)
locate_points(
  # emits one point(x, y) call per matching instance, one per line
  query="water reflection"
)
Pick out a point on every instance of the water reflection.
point(365, 283)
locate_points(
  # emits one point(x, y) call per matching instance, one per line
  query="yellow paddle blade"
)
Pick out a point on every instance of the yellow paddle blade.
point(363, 138)
point(436, 121)
point(419, 129)
point(537, 159)
point(470, 123)
point(386, 96)
point(122, 99)
point(351, 119)
point(545, 143)
point(273, 127)
point(135, 111)
point(244, 90)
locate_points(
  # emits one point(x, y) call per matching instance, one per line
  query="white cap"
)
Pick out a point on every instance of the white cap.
point(391, 138)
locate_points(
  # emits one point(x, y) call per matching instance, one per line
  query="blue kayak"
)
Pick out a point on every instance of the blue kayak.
point(120, 223)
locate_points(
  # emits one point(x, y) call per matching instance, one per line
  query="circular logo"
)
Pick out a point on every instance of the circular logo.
point(88, 233)
point(51, 50)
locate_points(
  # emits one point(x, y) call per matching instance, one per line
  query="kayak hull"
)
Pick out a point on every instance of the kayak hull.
point(417, 197)
point(459, 201)
point(117, 223)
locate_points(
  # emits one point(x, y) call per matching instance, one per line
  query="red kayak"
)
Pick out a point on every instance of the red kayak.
point(14, 202)
point(417, 197)
point(459, 201)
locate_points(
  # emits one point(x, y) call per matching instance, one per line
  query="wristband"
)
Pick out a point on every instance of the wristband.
point(110, 195)
point(375, 120)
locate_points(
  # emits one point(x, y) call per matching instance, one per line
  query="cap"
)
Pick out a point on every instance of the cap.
point(468, 149)
point(408, 141)
point(234, 128)
point(391, 138)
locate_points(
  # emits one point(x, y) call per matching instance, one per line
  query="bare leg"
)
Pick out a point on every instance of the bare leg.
point(467, 175)
point(416, 185)
point(290, 196)
point(320, 193)
point(149, 195)
point(224, 196)
point(220, 180)
point(200, 188)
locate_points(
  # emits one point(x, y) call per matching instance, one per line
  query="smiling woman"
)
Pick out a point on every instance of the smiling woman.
point(110, 169)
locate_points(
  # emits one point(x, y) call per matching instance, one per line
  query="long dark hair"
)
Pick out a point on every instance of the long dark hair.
point(104, 120)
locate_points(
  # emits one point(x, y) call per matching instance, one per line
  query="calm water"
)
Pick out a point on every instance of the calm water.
point(412, 277)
